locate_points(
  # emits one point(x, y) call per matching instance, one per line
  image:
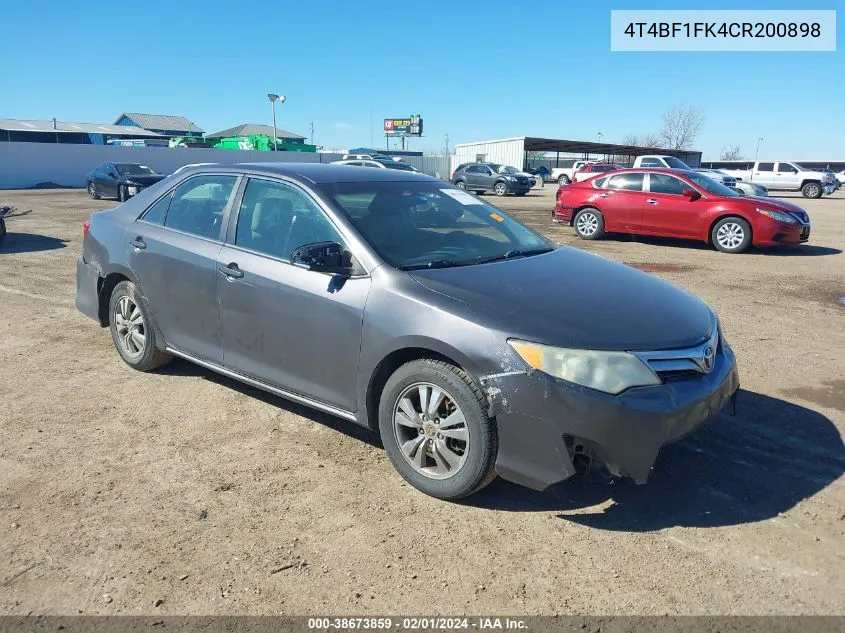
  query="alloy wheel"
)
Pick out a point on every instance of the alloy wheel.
point(431, 430)
point(461, 184)
point(730, 235)
point(500, 189)
point(130, 325)
point(92, 190)
point(587, 224)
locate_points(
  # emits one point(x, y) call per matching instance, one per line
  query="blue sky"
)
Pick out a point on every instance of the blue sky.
point(474, 70)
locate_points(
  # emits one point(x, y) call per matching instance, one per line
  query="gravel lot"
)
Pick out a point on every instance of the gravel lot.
point(184, 492)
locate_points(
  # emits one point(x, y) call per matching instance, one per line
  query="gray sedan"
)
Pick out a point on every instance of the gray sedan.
point(412, 308)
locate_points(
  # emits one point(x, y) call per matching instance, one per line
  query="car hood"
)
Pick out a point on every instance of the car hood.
point(142, 179)
point(571, 298)
point(775, 204)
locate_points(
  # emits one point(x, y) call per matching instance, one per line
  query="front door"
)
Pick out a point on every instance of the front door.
point(283, 324)
point(668, 211)
point(173, 252)
point(786, 175)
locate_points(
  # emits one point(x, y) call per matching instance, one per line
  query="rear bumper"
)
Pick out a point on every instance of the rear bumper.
point(87, 295)
point(544, 423)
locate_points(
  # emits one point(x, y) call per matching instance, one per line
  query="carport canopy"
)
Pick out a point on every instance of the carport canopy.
point(563, 146)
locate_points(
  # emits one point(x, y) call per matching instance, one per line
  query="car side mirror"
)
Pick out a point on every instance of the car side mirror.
point(692, 194)
point(323, 257)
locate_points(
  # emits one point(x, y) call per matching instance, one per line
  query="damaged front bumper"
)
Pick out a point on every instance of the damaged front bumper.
point(547, 426)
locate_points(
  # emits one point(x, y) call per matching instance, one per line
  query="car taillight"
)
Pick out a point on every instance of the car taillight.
point(86, 226)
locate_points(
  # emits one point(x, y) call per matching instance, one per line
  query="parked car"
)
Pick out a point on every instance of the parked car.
point(379, 164)
point(481, 177)
point(719, 176)
point(510, 170)
point(591, 169)
point(840, 177)
point(787, 176)
point(120, 180)
point(660, 162)
point(564, 172)
point(8, 212)
point(542, 172)
point(414, 309)
point(678, 203)
point(184, 167)
point(751, 189)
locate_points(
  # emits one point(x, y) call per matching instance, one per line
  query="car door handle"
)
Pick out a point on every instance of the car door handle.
point(138, 243)
point(604, 195)
point(652, 201)
point(232, 271)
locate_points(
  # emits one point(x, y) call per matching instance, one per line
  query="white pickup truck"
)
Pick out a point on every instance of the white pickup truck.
point(564, 173)
point(660, 162)
point(787, 176)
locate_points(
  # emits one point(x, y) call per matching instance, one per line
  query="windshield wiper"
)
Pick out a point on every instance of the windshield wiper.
point(512, 253)
point(436, 263)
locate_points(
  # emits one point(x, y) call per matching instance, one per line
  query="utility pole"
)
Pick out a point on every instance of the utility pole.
point(273, 98)
point(312, 132)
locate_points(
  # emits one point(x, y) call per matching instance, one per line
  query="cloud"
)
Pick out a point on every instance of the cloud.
point(342, 126)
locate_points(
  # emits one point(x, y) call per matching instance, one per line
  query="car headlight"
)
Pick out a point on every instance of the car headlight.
point(778, 216)
point(610, 372)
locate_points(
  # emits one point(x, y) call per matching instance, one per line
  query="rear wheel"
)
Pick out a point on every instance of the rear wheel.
point(132, 329)
point(589, 224)
point(563, 180)
point(122, 193)
point(92, 191)
point(2, 231)
point(500, 189)
point(434, 427)
point(731, 235)
point(461, 184)
point(812, 190)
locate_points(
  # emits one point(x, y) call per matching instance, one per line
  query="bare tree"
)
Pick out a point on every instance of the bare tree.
point(731, 152)
point(646, 140)
point(681, 126)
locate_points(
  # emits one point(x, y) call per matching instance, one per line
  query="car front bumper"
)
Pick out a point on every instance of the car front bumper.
point(773, 233)
point(544, 423)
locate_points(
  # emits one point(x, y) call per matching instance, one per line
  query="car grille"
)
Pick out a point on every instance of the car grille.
point(682, 364)
point(729, 182)
point(522, 180)
point(805, 234)
point(802, 216)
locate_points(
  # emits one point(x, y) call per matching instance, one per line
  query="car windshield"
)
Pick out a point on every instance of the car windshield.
point(508, 169)
point(676, 163)
point(711, 186)
point(402, 166)
point(132, 170)
point(601, 168)
point(415, 225)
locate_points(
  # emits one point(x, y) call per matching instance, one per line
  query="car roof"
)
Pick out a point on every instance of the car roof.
point(316, 173)
point(654, 170)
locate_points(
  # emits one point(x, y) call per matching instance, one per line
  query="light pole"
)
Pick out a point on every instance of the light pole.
point(273, 98)
point(756, 153)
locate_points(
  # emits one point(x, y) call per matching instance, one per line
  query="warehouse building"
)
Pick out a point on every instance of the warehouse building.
point(54, 131)
point(162, 124)
point(530, 151)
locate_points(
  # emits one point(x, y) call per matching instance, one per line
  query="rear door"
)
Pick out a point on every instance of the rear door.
point(667, 211)
point(285, 325)
point(471, 175)
point(172, 250)
point(764, 174)
point(622, 200)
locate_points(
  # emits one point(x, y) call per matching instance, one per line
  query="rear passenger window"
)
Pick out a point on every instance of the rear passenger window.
point(275, 219)
point(156, 213)
point(626, 182)
point(198, 205)
point(765, 166)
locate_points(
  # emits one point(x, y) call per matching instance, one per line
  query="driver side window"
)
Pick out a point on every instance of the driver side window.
point(276, 218)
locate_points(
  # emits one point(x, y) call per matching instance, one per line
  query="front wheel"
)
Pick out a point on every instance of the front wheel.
point(563, 180)
point(500, 189)
point(461, 185)
point(435, 429)
point(731, 235)
point(812, 190)
point(92, 191)
point(589, 224)
point(132, 330)
point(122, 194)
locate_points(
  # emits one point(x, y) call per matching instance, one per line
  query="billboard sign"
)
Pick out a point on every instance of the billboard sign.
point(410, 126)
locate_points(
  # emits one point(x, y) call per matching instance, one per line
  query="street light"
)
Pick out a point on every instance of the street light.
point(756, 153)
point(273, 98)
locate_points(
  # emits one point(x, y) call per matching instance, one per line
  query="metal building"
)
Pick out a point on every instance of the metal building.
point(53, 131)
point(516, 151)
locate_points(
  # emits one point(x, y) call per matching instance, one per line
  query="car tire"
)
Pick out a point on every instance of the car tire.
point(479, 192)
point(461, 185)
point(92, 191)
point(425, 467)
point(731, 235)
point(812, 190)
point(589, 224)
point(500, 189)
point(132, 329)
point(122, 193)
point(563, 180)
point(2, 231)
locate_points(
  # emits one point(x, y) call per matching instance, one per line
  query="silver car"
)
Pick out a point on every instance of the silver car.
point(413, 308)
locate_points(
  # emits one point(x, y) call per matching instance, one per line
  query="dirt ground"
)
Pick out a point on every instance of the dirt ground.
point(181, 492)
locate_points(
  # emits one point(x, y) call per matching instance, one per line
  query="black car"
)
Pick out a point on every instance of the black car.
point(480, 177)
point(120, 180)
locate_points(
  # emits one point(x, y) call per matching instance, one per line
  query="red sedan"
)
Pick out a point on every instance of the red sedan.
point(678, 203)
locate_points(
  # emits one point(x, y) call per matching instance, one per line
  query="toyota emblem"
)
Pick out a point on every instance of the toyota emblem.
point(708, 359)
